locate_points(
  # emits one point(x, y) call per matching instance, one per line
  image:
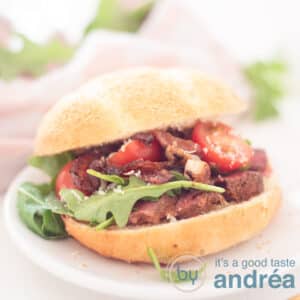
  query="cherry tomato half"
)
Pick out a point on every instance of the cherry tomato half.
point(221, 147)
point(136, 149)
point(64, 179)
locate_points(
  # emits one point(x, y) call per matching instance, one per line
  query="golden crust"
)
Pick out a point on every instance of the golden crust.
point(201, 235)
point(119, 104)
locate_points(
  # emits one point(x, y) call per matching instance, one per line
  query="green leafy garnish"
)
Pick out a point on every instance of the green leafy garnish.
point(105, 224)
point(51, 165)
point(167, 275)
point(110, 178)
point(178, 176)
point(72, 198)
point(119, 202)
point(33, 59)
point(164, 274)
point(37, 211)
point(56, 206)
point(110, 15)
point(267, 80)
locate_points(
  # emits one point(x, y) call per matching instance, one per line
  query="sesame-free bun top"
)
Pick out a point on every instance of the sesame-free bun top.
point(119, 104)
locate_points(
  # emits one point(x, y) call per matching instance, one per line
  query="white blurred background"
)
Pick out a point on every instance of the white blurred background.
point(249, 29)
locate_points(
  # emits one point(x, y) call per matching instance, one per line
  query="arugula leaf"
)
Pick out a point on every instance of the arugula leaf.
point(33, 59)
point(111, 16)
point(97, 207)
point(51, 165)
point(105, 224)
point(56, 206)
point(167, 275)
point(36, 214)
point(267, 80)
point(72, 198)
point(163, 273)
point(178, 176)
point(110, 178)
point(52, 225)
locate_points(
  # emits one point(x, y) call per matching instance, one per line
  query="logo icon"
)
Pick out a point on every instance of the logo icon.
point(187, 272)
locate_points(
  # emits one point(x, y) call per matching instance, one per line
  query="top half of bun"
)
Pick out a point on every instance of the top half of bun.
point(119, 104)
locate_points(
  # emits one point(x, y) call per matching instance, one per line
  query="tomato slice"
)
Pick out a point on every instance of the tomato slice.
point(221, 147)
point(136, 149)
point(64, 179)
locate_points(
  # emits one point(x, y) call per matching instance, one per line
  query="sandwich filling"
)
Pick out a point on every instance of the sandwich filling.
point(150, 178)
point(209, 153)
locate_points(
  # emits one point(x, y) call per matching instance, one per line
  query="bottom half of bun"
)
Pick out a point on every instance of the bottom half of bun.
point(201, 235)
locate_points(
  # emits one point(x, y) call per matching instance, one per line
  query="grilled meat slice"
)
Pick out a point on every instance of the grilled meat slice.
point(153, 212)
point(241, 186)
point(194, 203)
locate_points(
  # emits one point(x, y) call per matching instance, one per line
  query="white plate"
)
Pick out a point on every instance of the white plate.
point(71, 262)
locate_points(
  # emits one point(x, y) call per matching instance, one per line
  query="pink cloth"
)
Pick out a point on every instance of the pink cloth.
point(171, 36)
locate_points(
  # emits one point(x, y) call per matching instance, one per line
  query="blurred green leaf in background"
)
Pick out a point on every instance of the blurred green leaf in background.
point(33, 59)
point(267, 79)
point(110, 15)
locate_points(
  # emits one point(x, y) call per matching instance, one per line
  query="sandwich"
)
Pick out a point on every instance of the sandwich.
point(139, 159)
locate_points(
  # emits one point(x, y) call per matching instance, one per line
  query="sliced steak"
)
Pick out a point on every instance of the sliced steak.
point(98, 164)
point(194, 203)
point(152, 212)
point(83, 181)
point(241, 186)
point(103, 165)
point(259, 161)
point(149, 171)
point(176, 149)
point(158, 177)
